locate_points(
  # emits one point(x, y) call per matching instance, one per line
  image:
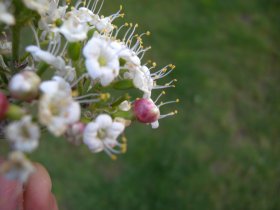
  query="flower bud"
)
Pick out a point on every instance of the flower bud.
point(4, 104)
point(146, 111)
point(25, 85)
point(74, 133)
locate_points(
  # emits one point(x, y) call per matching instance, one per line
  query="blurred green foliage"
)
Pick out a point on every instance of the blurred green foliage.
point(222, 151)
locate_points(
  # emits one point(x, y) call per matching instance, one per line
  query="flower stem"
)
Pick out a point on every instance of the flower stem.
point(16, 42)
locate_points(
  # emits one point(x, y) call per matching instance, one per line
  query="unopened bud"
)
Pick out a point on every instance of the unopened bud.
point(4, 104)
point(146, 111)
point(74, 133)
point(25, 85)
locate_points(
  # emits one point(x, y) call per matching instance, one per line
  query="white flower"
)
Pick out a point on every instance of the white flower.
point(141, 79)
point(45, 56)
point(63, 70)
point(24, 135)
point(73, 29)
point(132, 60)
point(57, 109)
point(102, 134)
point(54, 13)
point(125, 106)
point(5, 16)
point(84, 15)
point(104, 24)
point(56, 86)
point(17, 167)
point(41, 6)
point(101, 60)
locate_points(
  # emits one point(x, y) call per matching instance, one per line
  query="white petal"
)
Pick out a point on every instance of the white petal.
point(104, 120)
point(74, 113)
point(155, 124)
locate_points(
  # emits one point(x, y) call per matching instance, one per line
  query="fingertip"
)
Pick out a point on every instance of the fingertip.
point(53, 203)
point(10, 193)
point(37, 193)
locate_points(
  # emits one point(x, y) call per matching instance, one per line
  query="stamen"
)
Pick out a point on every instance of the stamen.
point(100, 7)
point(86, 96)
point(35, 34)
point(90, 101)
point(79, 79)
point(161, 94)
point(169, 114)
point(168, 102)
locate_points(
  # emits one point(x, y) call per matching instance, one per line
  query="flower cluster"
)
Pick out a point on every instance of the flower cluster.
point(83, 78)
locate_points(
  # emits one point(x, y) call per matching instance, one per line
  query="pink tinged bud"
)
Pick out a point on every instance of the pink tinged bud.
point(4, 104)
point(25, 85)
point(74, 133)
point(146, 111)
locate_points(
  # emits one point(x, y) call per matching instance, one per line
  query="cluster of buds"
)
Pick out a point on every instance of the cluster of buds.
point(75, 81)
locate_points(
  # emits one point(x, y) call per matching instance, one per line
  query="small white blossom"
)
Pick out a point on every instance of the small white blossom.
point(45, 56)
point(41, 6)
point(57, 109)
point(84, 15)
point(54, 13)
point(17, 167)
point(23, 135)
point(73, 30)
point(102, 134)
point(104, 24)
point(101, 60)
point(63, 70)
point(5, 16)
point(141, 79)
point(125, 106)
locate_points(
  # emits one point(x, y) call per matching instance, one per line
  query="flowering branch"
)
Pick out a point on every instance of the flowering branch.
point(79, 80)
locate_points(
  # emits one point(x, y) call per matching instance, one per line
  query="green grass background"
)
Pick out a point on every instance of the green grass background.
point(222, 151)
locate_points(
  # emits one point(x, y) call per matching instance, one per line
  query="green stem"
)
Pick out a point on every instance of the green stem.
point(16, 42)
point(42, 68)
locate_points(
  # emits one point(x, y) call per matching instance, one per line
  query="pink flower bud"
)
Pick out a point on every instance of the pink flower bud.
point(146, 111)
point(74, 133)
point(25, 85)
point(4, 104)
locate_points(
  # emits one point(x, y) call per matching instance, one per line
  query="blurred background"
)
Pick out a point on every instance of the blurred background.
point(222, 151)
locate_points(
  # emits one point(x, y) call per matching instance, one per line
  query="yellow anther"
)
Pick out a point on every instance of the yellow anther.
point(131, 24)
point(136, 25)
point(148, 33)
point(124, 139)
point(163, 92)
point(123, 148)
point(75, 93)
point(122, 15)
point(113, 157)
point(177, 100)
point(164, 70)
point(126, 24)
point(154, 64)
point(175, 112)
point(104, 96)
point(121, 7)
